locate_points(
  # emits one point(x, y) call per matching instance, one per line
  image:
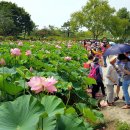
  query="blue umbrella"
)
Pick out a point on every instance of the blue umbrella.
point(117, 49)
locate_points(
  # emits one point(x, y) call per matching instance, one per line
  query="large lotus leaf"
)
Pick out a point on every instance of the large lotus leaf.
point(24, 72)
point(21, 114)
point(99, 116)
point(93, 102)
point(70, 110)
point(10, 88)
point(81, 106)
point(22, 83)
point(89, 115)
point(21, 70)
point(47, 123)
point(9, 71)
point(70, 122)
point(87, 112)
point(89, 81)
point(63, 85)
point(53, 105)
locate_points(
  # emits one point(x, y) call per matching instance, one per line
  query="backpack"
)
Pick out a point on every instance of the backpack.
point(93, 72)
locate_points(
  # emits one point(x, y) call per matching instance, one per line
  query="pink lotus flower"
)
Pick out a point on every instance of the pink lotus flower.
point(67, 58)
point(39, 84)
point(69, 45)
point(28, 53)
point(20, 44)
point(49, 84)
point(36, 84)
point(57, 46)
point(15, 52)
point(2, 62)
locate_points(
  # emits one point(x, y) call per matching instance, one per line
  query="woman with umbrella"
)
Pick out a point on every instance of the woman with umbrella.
point(121, 49)
point(126, 79)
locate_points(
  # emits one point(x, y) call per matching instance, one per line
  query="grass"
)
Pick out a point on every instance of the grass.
point(122, 126)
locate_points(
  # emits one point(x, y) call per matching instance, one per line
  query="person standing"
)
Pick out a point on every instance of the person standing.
point(98, 77)
point(111, 80)
point(104, 48)
point(118, 67)
point(126, 79)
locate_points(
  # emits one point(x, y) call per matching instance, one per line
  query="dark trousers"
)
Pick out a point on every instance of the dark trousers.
point(104, 60)
point(95, 88)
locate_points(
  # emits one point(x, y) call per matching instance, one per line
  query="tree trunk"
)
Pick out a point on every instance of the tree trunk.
point(68, 33)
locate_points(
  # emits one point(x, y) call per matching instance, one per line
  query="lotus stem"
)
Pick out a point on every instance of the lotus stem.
point(3, 82)
point(68, 98)
point(24, 84)
point(3, 76)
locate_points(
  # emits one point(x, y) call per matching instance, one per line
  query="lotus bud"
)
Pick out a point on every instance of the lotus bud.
point(2, 62)
point(31, 69)
point(70, 88)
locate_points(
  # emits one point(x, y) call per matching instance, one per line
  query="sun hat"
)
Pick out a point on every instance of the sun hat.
point(113, 59)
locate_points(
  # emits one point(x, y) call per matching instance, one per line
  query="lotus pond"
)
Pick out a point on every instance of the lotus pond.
point(43, 87)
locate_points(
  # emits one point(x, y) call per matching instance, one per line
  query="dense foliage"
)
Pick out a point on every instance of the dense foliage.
point(25, 67)
point(98, 17)
point(14, 20)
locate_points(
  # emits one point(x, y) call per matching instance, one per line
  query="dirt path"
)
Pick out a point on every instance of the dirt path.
point(115, 113)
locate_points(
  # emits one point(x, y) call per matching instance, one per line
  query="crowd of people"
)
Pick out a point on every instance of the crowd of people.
point(117, 73)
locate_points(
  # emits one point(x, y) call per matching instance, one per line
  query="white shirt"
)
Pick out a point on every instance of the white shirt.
point(111, 72)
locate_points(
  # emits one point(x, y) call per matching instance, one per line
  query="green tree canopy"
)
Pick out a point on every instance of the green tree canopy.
point(124, 14)
point(6, 23)
point(67, 27)
point(95, 16)
point(117, 27)
point(18, 17)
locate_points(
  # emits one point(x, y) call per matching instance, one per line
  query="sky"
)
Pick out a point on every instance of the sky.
point(56, 12)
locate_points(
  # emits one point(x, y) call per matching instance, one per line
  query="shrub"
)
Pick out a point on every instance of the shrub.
point(1, 38)
point(122, 126)
point(11, 38)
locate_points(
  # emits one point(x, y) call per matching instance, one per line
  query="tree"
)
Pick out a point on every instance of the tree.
point(124, 14)
point(117, 27)
point(21, 19)
point(95, 16)
point(42, 33)
point(54, 31)
point(6, 23)
point(67, 27)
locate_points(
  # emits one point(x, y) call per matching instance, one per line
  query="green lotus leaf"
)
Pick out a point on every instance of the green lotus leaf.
point(47, 123)
point(53, 105)
point(70, 122)
point(9, 71)
point(21, 114)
